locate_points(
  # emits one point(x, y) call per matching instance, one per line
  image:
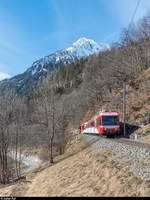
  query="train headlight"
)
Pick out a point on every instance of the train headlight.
point(105, 130)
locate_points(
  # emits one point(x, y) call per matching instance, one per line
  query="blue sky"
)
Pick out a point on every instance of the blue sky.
point(32, 29)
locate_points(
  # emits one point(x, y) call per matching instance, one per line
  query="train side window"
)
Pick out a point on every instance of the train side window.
point(97, 123)
point(100, 122)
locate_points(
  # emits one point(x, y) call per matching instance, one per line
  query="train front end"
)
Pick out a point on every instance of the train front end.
point(109, 124)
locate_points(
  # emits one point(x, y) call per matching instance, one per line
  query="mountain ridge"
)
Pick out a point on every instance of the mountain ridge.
point(23, 83)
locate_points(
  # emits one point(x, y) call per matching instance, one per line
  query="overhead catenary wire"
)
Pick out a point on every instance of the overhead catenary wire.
point(124, 83)
point(136, 8)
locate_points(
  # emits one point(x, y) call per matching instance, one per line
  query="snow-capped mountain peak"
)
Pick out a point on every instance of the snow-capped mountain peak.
point(82, 48)
point(85, 47)
point(82, 41)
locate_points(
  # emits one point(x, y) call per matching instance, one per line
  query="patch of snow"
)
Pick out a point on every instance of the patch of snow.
point(57, 59)
point(20, 81)
point(34, 70)
point(45, 70)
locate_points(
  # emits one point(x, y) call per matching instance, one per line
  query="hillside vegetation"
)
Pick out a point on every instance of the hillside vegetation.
point(47, 117)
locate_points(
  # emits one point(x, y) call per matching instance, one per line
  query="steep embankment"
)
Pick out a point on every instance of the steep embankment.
point(90, 172)
point(81, 171)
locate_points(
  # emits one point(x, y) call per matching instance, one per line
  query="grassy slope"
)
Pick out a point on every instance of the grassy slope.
point(79, 173)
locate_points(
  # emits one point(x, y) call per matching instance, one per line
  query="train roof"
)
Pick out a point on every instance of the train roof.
point(108, 113)
point(103, 113)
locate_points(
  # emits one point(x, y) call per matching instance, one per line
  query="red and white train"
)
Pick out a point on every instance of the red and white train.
point(105, 123)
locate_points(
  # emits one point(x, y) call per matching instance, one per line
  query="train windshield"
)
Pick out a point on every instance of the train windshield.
point(110, 120)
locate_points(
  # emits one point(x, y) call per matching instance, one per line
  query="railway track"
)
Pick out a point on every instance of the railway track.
point(138, 143)
point(127, 153)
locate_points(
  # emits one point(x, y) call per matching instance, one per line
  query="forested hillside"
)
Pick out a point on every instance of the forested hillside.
point(46, 117)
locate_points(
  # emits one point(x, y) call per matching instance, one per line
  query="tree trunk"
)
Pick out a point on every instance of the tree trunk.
point(51, 150)
point(16, 153)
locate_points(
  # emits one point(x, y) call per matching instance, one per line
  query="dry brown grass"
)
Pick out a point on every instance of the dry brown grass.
point(145, 130)
point(84, 175)
point(80, 174)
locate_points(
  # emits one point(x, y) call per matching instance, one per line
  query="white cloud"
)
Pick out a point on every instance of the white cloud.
point(4, 76)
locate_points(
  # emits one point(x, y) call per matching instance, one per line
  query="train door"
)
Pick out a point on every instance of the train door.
point(98, 124)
